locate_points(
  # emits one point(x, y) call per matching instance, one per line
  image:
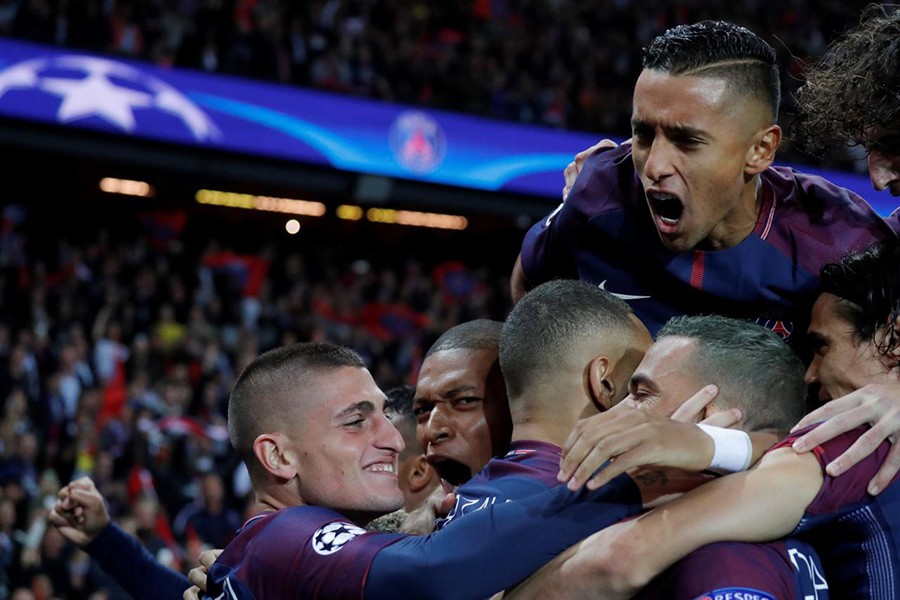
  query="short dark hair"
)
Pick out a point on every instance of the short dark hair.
point(868, 285)
point(854, 87)
point(399, 408)
point(261, 394)
point(719, 49)
point(479, 334)
point(754, 369)
point(549, 320)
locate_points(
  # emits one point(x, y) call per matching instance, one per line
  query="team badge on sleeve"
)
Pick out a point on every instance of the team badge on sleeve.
point(736, 593)
point(332, 537)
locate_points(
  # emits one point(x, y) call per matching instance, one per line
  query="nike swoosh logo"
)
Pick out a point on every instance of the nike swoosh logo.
point(602, 286)
point(551, 215)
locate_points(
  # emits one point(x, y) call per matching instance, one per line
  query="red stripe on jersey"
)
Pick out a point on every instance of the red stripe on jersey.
point(697, 268)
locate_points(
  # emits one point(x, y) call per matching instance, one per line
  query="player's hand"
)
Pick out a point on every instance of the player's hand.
point(877, 404)
point(80, 512)
point(630, 438)
point(574, 168)
point(420, 521)
point(192, 593)
point(197, 575)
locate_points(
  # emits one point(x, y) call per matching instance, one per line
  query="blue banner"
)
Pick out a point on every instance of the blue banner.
point(65, 87)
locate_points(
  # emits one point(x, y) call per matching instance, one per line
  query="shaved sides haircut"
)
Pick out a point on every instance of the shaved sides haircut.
point(480, 334)
point(552, 319)
point(754, 369)
point(723, 50)
point(270, 385)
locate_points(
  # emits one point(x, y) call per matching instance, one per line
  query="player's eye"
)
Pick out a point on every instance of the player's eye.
point(421, 410)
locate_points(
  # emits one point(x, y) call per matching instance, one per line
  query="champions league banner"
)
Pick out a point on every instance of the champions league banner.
point(191, 108)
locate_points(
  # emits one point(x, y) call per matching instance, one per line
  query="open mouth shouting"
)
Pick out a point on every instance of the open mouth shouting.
point(451, 471)
point(667, 210)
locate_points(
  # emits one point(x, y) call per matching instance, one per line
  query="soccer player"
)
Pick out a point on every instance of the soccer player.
point(417, 478)
point(857, 536)
point(691, 217)
point(853, 93)
point(460, 402)
point(308, 419)
point(567, 350)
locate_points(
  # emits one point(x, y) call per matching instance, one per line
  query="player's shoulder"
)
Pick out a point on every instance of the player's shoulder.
point(606, 183)
point(810, 197)
point(818, 222)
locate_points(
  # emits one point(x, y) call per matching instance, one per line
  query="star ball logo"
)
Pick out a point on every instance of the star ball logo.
point(332, 537)
point(90, 87)
point(417, 141)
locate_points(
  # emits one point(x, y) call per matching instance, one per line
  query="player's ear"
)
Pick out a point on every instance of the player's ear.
point(420, 475)
point(601, 386)
point(274, 454)
point(762, 153)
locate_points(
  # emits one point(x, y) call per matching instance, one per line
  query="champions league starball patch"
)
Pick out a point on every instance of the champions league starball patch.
point(736, 593)
point(418, 141)
point(332, 537)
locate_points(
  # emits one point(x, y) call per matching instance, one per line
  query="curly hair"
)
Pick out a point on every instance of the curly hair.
point(854, 87)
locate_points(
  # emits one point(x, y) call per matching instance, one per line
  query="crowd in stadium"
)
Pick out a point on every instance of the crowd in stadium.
point(135, 353)
point(556, 63)
point(120, 346)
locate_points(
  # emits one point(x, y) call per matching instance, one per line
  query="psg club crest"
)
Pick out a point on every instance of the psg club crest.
point(418, 141)
point(101, 93)
point(331, 538)
point(778, 324)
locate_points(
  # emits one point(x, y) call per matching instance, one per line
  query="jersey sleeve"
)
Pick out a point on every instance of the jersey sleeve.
point(514, 539)
point(302, 552)
point(850, 487)
point(549, 248)
point(774, 571)
point(132, 566)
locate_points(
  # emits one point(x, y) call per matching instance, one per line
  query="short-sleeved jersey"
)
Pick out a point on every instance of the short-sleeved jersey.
point(314, 553)
point(528, 468)
point(856, 535)
point(299, 552)
point(603, 233)
point(782, 570)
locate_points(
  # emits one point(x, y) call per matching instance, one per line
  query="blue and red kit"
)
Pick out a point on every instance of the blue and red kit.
point(856, 535)
point(603, 233)
point(312, 552)
point(782, 570)
point(528, 468)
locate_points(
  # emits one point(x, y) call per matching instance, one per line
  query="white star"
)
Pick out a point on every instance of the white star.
point(96, 95)
point(19, 76)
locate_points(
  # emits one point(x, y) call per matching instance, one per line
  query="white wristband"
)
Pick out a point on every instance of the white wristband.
point(733, 449)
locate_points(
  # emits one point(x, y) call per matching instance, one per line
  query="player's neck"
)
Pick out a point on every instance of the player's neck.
point(740, 222)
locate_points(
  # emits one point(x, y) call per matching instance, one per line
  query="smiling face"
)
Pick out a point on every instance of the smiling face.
point(346, 448)
point(695, 147)
point(462, 412)
point(840, 363)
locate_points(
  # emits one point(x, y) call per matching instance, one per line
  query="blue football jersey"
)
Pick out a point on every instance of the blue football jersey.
point(603, 233)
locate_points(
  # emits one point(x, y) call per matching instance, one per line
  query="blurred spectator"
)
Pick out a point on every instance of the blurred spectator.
point(208, 519)
point(558, 63)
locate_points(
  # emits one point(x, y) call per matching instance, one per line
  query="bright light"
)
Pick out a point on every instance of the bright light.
point(417, 219)
point(292, 226)
point(126, 187)
point(348, 212)
point(266, 203)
